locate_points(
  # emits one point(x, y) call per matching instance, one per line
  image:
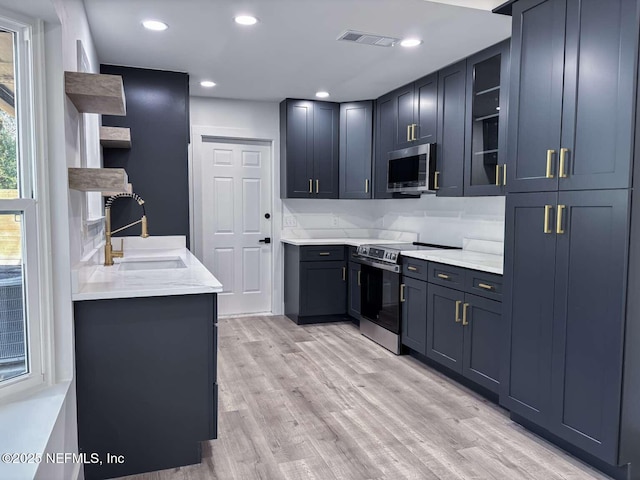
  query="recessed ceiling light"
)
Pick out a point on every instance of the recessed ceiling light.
point(322, 94)
point(410, 42)
point(155, 25)
point(208, 83)
point(246, 20)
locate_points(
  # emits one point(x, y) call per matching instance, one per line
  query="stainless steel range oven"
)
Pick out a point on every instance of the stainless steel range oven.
point(380, 291)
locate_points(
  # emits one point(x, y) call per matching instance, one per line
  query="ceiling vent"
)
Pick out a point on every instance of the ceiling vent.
point(368, 39)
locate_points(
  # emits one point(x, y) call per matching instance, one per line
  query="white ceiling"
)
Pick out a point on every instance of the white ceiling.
point(292, 51)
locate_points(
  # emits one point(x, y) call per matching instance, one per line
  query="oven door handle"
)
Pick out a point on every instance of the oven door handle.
point(381, 266)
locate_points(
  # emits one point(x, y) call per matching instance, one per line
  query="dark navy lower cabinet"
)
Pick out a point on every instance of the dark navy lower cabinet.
point(444, 326)
point(145, 381)
point(414, 314)
point(482, 335)
point(567, 326)
point(354, 295)
point(315, 290)
point(464, 331)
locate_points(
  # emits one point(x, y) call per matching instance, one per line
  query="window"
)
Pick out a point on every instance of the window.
point(20, 322)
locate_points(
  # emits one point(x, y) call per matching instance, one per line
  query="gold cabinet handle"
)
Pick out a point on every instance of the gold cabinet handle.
point(344, 274)
point(408, 133)
point(412, 268)
point(504, 174)
point(317, 186)
point(550, 154)
point(402, 298)
point(359, 276)
point(547, 214)
point(497, 175)
point(458, 303)
point(436, 176)
point(464, 315)
point(324, 254)
point(443, 276)
point(413, 131)
point(366, 186)
point(563, 157)
point(310, 186)
point(559, 229)
point(485, 286)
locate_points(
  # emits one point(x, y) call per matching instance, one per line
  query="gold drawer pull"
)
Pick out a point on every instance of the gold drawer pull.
point(436, 176)
point(344, 274)
point(559, 229)
point(366, 186)
point(563, 158)
point(497, 175)
point(402, 287)
point(324, 254)
point(550, 154)
point(317, 186)
point(413, 269)
point(359, 275)
point(547, 212)
point(443, 276)
point(310, 186)
point(465, 322)
point(458, 303)
point(485, 286)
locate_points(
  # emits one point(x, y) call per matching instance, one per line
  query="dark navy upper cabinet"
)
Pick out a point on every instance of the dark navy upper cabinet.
point(426, 109)
point(569, 109)
point(386, 121)
point(309, 149)
point(450, 145)
point(414, 314)
point(405, 124)
point(356, 137)
point(486, 115)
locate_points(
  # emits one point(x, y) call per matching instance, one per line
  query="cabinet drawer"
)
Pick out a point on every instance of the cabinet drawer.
point(484, 284)
point(319, 253)
point(414, 268)
point(446, 275)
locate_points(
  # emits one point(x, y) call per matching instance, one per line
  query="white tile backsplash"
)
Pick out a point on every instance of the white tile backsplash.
point(445, 221)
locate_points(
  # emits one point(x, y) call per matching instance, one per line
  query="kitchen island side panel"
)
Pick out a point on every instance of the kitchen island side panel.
point(145, 370)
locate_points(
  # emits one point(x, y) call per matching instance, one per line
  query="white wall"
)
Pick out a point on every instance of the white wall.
point(248, 120)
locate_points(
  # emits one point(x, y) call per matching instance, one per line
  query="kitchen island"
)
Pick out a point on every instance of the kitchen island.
point(145, 340)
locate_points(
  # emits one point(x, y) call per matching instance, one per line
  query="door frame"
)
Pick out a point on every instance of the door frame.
point(239, 135)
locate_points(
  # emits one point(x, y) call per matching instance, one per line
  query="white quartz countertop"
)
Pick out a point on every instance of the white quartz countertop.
point(352, 242)
point(114, 282)
point(485, 262)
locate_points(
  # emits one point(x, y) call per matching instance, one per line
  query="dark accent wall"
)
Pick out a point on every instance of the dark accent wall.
point(157, 163)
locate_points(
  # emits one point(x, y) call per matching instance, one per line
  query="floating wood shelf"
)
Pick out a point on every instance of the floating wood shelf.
point(115, 137)
point(109, 194)
point(98, 179)
point(96, 93)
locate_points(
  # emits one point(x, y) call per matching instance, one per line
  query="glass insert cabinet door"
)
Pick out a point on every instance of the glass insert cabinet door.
point(485, 122)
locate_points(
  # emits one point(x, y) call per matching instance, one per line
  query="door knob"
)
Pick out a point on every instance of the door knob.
point(265, 240)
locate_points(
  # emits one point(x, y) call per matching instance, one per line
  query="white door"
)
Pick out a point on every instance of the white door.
point(233, 203)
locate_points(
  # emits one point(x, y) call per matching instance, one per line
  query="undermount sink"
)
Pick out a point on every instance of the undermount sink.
point(152, 264)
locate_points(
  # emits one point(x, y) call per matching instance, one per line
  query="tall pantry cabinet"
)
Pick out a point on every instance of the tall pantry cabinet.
point(571, 370)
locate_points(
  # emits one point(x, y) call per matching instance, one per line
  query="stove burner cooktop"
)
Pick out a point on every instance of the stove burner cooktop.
point(391, 253)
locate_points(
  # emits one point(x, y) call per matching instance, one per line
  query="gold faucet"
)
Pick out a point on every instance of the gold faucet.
point(109, 252)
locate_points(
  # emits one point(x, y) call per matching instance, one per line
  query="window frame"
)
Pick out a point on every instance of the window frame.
point(33, 178)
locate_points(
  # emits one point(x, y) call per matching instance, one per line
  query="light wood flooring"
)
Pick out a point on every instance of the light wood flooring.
point(322, 402)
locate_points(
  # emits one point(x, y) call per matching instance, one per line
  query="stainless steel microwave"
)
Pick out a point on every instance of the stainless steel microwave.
point(411, 170)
